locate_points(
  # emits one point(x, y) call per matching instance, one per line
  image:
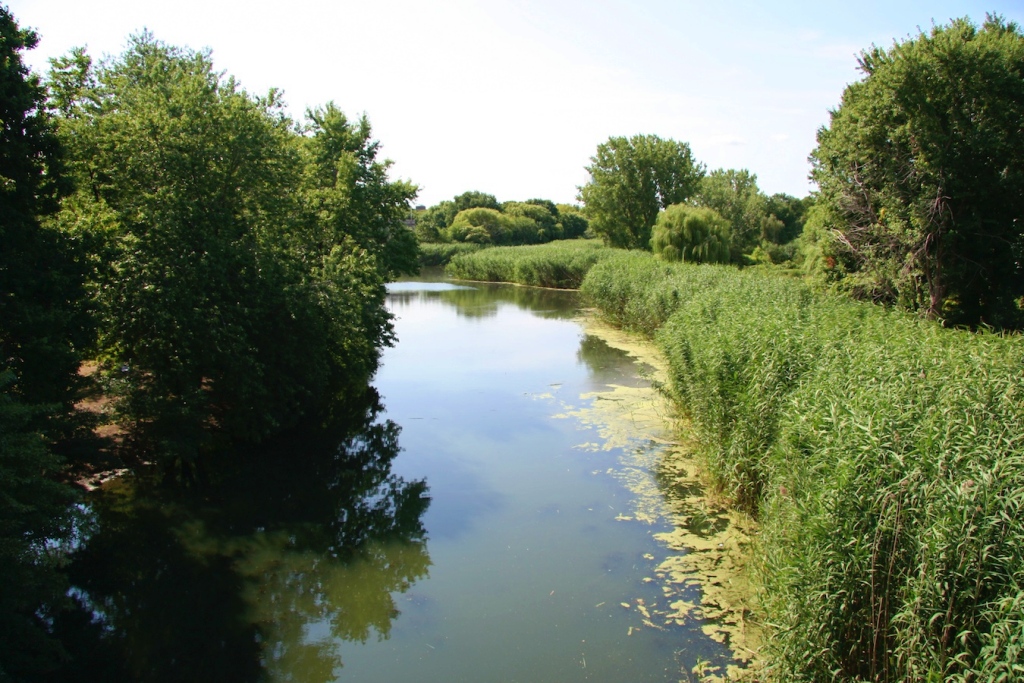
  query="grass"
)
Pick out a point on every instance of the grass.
point(561, 264)
point(440, 253)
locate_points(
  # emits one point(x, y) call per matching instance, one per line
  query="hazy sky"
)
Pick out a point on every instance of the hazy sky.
point(512, 97)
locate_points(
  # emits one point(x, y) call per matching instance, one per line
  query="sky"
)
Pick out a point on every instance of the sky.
point(512, 97)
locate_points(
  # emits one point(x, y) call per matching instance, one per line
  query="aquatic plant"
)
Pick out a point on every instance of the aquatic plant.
point(561, 264)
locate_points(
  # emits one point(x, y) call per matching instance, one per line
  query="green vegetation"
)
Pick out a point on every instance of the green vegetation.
point(41, 321)
point(631, 180)
point(560, 264)
point(882, 454)
point(690, 234)
point(225, 265)
point(635, 183)
point(440, 253)
point(239, 261)
point(478, 218)
point(921, 177)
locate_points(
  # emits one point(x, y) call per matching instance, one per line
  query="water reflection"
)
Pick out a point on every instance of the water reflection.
point(482, 300)
point(259, 576)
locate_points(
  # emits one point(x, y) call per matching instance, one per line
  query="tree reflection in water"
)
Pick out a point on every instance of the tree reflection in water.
point(259, 575)
point(483, 299)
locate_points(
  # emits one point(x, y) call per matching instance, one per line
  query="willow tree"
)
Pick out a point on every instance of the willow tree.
point(692, 234)
point(921, 175)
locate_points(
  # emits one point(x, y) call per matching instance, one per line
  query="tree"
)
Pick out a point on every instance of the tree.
point(490, 226)
point(691, 234)
point(243, 264)
point(574, 223)
point(921, 172)
point(736, 197)
point(791, 212)
point(540, 211)
point(432, 223)
point(351, 193)
point(631, 180)
point(40, 326)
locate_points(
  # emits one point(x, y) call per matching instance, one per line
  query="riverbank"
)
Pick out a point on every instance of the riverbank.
point(710, 544)
point(882, 455)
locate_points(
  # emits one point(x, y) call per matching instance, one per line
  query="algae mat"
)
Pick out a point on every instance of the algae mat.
point(703, 571)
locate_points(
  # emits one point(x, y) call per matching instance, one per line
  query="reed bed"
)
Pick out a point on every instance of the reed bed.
point(883, 455)
point(440, 253)
point(561, 264)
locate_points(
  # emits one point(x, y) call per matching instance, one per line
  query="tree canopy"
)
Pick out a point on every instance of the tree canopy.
point(477, 217)
point(41, 330)
point(240, 258)
point(735, 196)
point(631, 180)
point(921, 175)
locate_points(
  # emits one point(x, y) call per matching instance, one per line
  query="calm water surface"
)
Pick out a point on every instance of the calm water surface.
point(529, 565)
point(457, 532)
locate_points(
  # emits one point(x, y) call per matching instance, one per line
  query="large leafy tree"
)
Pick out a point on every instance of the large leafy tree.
point(40, 288)
point(241, 269)
point(921, 175)
point(631, 180)
point(350, 193)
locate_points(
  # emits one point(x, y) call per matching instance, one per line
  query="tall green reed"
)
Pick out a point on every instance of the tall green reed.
point(561, 264)
point(883, 454)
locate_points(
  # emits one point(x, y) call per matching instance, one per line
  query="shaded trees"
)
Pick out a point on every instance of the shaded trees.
point(40, 325)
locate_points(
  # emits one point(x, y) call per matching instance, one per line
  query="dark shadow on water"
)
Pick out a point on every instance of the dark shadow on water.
point(289, 550)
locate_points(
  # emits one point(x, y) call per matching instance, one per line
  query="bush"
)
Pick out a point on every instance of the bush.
point(440, 253)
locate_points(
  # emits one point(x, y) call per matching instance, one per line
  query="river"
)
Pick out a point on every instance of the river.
point(504, 513)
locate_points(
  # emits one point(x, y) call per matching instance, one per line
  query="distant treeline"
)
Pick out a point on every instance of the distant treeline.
point(478, 218)
point(920, 200)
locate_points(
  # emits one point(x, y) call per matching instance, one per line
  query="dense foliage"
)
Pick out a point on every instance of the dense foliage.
point(240, 261)
point(41, 326)
point(631, 181)
point(559, 265)
point(440, 253)
point(691, 234)
point(478, 218)
point(432, 223)
point(882, 454)
point(921, 172)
